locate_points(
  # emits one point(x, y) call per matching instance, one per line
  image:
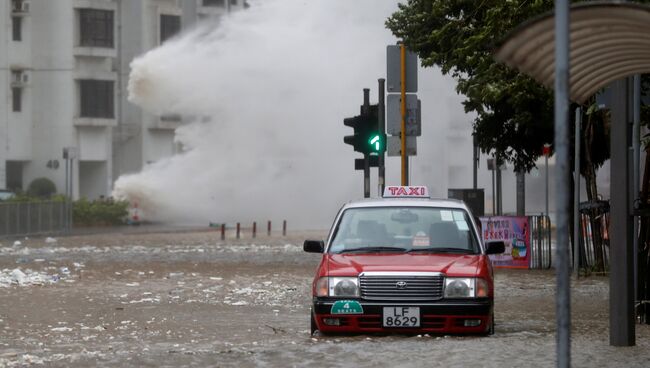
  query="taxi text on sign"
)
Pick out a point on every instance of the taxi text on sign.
point(406, 191)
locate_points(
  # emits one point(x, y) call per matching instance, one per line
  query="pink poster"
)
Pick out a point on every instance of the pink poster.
point(513, 231)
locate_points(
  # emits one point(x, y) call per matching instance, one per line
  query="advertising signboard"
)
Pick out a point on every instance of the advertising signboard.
point(514, 231)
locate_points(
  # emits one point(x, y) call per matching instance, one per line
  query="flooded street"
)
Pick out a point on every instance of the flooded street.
point(190, 299)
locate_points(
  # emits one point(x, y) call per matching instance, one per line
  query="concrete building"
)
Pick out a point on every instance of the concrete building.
point(65, 68)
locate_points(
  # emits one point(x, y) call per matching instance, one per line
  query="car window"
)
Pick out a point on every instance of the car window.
point(406, 228)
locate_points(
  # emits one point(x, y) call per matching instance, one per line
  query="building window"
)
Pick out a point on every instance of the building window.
point(96, 99)
point(96, 28)
point(17, 28)
point(170, 25)
point(221, 3)
point(16, 99)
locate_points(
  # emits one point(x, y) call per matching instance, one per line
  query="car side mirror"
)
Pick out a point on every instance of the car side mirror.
point(497, 247)
point(314, 246)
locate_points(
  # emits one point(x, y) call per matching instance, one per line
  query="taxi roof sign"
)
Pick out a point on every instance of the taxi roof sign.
point(394, 191)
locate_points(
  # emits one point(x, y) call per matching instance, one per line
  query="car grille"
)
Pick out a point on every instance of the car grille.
point(402, 287)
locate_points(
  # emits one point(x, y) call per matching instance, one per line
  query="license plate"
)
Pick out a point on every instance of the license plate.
point(401, 317)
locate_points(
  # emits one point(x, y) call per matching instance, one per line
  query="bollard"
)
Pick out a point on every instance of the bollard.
point(238, 228)
point(223, 231)
point(284, 228)
point(254, 229)
point(268, 229)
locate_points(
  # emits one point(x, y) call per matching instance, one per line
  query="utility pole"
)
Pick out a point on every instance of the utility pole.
point(382, 130)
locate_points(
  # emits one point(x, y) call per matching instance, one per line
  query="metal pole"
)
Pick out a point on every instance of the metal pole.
point(365, 110)
point(499, 189)
point(621, 268)
point(403, 114)
point(494, 199)
point(366, 176)
point(576, 195)
point(475, 158)
point(67, 193)
point(382, 130)
point(71, 194)
point(546, 164)
point(521, 193)
point(636, 174)
point(562, 169)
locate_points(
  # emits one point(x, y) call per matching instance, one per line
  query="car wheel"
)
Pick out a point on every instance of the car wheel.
point(314, 327)
point(491, 329)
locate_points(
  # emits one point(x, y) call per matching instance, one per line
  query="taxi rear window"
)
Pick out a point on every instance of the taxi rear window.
point(404, 229)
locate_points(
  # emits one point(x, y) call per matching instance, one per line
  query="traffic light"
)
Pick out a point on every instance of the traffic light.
point(357, 123)
point(367, 138)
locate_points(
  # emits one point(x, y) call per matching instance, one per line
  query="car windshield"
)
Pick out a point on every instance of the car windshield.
point(404, 229)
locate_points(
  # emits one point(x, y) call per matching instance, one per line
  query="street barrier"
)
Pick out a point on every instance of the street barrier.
point(594, 235)
point(540, 242)
point(32, 218)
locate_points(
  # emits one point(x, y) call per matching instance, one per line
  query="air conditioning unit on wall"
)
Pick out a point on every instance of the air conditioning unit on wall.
point(19, 78)
point(20, 6)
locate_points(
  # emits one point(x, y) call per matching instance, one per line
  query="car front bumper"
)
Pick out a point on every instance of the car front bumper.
point(444, 317)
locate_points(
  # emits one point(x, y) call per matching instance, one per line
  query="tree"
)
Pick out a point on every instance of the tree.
point(42, 188)
point(514, 112)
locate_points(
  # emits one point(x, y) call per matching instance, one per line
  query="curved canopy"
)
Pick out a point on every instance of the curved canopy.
point(608, 41)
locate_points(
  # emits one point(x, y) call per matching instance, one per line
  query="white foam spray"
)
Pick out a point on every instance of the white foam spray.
point(269, 88)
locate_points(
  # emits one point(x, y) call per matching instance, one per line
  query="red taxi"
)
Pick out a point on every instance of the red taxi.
point(403, 263)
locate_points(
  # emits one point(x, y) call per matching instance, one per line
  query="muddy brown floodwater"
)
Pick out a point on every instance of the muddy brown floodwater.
point(190, 299)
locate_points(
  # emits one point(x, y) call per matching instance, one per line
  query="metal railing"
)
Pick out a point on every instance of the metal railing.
point(32, 218)
point(540, 242)
point(594, 235)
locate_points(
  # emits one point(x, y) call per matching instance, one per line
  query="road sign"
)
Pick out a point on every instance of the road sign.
point(394, 70)
point(394, 146)
point(394, 115)
point(69, 152)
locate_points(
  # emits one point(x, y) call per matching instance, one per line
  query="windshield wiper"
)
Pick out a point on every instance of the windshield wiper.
point(442, 250)
point(372, 249)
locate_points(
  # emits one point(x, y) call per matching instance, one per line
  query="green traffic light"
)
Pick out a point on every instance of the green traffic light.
point(376, 142)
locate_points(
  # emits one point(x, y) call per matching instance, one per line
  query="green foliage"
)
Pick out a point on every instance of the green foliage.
point(24, 197)
point(515, 114)
point(99, 212)
point(41, 188)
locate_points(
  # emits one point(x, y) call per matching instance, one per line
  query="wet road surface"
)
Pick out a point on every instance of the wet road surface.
point(190, 299)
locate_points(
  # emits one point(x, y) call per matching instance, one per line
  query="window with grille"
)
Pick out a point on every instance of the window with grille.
point(17, 28)
point(170, 25)
point(97, 99)
point(16, 99)
point(220, 3)
point(96, 28)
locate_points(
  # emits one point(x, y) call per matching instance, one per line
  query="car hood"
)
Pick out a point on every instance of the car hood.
point(449, 264)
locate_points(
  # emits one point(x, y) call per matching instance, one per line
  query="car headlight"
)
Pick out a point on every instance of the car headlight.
point(337, 286)
point(465, 287)
point(344, 286)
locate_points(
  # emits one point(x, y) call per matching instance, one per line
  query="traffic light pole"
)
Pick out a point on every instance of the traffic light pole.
point(403, 114)
point(365, 110)
point(382, 130)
